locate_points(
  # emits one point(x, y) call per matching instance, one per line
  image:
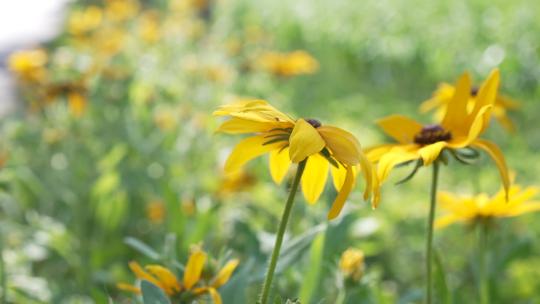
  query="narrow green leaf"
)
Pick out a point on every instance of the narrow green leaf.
point(141, 247)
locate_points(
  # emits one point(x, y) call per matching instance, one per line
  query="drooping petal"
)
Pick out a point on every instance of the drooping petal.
point(314, 177)
point(304, 141)
point(430, 153)
point(279, 164)
point(456, 110)
point(247, 150)
point(342, 195)
point(367, 171)
point(393, 158)
point(225, 273)
point(400, 128)
point(166, 277)
point(497, 156)
point(194, 267)
point(375, 153)
point(214, 294)
point(338, 176)
point(343, 145)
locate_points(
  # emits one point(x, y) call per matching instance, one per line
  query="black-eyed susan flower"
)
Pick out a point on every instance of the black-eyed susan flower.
point(351, 264)
point(191, 286)
point(464, 121)
point(442, 96)
point(288, 64)
point(483, 208)
point(287, 140)
point(29, 65)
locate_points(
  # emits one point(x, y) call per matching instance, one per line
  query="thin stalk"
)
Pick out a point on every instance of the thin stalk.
point(281, 232)
point(3, 280)
point(483, 262)
point(429, 242)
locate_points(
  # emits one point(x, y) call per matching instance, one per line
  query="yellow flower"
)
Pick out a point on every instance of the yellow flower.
point(289, 64)
point(155, 211)
point(235, 182)
point(28, 64)
point(352, 264)
point(191, 284)
point(480, 207)
point(288, 140)
point(84, 21)
point(77, 103)
point(149, 27)
point(121, 10)
point(442, 96)
point(460, 128)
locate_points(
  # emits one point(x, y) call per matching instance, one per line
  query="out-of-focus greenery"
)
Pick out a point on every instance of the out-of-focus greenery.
point(113, 146)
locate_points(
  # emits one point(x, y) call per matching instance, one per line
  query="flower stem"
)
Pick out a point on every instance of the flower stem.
point(483, 262)
point(281, 232)
point(3, 280)
point(429, 243)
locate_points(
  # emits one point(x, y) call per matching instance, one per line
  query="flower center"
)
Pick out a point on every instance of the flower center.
point(474, 91)
point(431, 134)
point(315, 123)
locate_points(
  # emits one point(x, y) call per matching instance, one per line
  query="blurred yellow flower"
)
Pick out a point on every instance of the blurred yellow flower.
point(473, 209)
point(77, 103)
point(28, 64)
point(191, 286)
point(155, 211)
point(460, 128)
point(82, 22)
point(235, 181)
point(288, 140)
point(149, 27)
point(352, 264)
point(442, 96)
point(121, 10)
point(288, 64)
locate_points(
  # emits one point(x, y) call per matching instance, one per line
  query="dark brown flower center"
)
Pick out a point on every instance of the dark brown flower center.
point(431, 134)
point(474, 91)
point(315, 123)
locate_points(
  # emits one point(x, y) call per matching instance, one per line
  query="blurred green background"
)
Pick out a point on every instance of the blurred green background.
point(113, 146)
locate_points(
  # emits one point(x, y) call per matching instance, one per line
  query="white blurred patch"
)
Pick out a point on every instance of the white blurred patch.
point(365, 227)
point(492, 56)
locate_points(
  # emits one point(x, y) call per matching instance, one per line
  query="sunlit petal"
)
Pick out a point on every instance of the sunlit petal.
point(194, 267)
point(314, 177)
point(304, 141)
point(497, 157)
point(400, 128)
point(393, 158)
point(342, 195)
point(247, 150)
point(456, 109)
point(431, 152)
point(225, 273)
point(343, 145)
point(279, 164)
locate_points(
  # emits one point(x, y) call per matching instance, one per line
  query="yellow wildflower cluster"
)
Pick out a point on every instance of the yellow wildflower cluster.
point(195, 281)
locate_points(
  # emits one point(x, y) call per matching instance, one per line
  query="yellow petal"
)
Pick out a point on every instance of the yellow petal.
point(279, 164)
point(304, 141)
point(487, 93)
point(143, 275)
point(240, 126)
point(216, 298)
point(400, 128)
point(375, 153)
point(367, 172)
point(338, 176)
point(430, 153)
point(342, 195)
point(247, 150)
point(456, 110)
point(446, 220)
point(525, 208)
point(225, 273)
point(166, 277)
point(393, 158)
point(498, 158)
point(128, 287)
point(314, 177)
point(342, 144)
point(255, 110)
point(194, 267)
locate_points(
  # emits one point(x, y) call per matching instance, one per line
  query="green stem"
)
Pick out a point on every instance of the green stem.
point(483, 262)
point(429, 243)
point(281, 232)
point(3, 280)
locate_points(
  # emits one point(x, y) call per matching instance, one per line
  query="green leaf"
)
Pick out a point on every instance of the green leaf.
point(441, 286)
point(152, 294)
point(311, 278)
point(235, 290)
point(141, 247)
